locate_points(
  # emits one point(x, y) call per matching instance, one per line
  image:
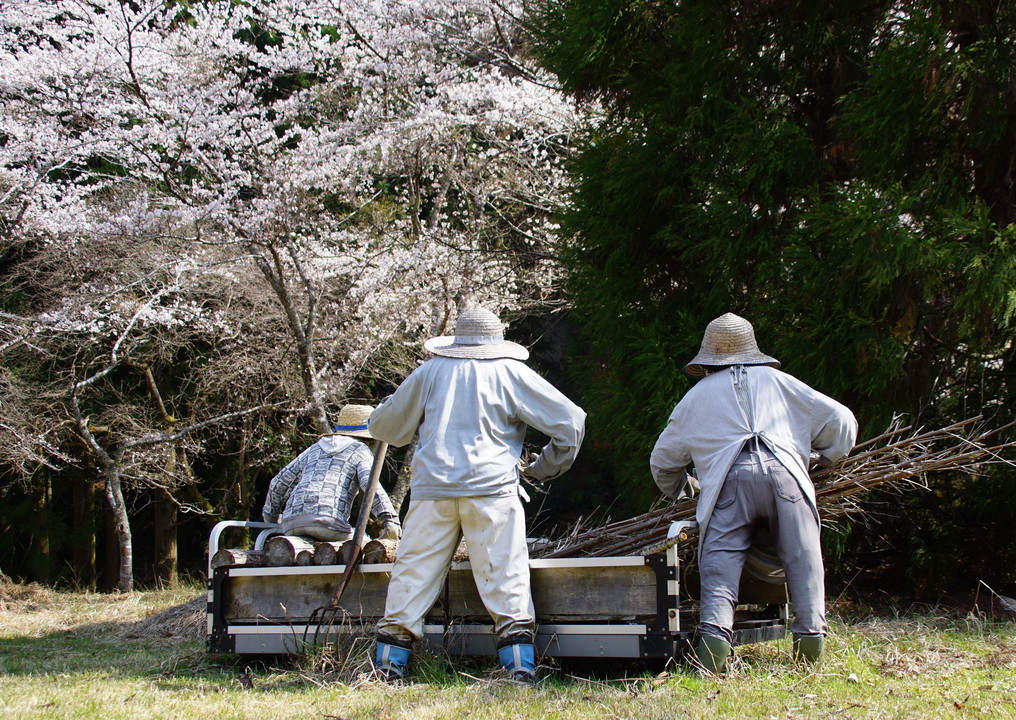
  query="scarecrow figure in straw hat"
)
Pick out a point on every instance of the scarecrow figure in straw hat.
point(313, 495)
point(471, 404)
point(750, 431)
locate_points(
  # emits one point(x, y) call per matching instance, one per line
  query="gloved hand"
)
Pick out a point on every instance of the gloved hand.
point(392, 530)
point(526, 464)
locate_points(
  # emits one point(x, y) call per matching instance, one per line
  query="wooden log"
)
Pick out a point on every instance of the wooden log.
point(281, 550)
point(329, 553)
point(305, 558)
point(226, 557)
point(379, 551)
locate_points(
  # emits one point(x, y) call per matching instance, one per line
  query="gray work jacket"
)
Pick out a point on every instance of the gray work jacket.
point(722, 411)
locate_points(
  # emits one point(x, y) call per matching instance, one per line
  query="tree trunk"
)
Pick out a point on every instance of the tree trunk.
point(122, 526)
point(313, 389)
point(245, 496)
point(401, 488)
point(111, 553)
point(303, 332)
point(114, 492)
point(166, 509)
point(166, 514)
point(83, 525)
point(42, 519)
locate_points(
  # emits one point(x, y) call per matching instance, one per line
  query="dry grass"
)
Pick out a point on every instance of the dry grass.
point(140, 655)
point(33, 610)
point(15, 598)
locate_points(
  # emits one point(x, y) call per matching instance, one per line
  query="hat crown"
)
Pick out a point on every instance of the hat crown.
point(479, 335)
point(352, 421)
point(477, 322)
point(728, 340)
point(729, 334)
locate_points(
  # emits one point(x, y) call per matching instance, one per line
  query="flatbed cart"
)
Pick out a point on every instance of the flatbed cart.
point(635, 608)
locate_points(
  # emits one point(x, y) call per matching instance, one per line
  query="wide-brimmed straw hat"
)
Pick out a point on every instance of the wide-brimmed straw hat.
point(728, 340)
point(352, 421)
point(479, 335)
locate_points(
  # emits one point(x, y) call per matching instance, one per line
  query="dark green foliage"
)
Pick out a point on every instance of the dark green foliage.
point(841, 174)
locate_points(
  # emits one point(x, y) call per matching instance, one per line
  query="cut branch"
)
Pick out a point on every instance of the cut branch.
point(899, 458)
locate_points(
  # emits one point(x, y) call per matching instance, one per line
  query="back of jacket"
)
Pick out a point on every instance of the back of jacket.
point(472, 417)
point(721, 412)
point(321, 484)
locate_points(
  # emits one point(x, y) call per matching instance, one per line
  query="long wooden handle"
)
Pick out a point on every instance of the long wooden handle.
point(361, 523)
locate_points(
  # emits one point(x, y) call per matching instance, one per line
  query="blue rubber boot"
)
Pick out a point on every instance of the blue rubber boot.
point(392, 657)
point(517, 655)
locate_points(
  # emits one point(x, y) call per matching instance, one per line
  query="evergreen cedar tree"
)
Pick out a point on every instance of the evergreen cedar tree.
point(839, 173)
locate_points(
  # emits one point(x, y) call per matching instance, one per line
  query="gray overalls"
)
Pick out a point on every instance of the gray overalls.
point(758, 491)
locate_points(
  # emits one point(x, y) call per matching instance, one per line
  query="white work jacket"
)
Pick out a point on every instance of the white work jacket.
point(472, 417)
point(722, 411)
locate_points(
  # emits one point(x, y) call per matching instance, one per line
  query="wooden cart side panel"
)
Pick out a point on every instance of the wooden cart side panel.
point(293, 597)
point(562, 592)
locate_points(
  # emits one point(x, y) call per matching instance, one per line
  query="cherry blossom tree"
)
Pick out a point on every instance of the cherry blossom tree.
point(314, 190)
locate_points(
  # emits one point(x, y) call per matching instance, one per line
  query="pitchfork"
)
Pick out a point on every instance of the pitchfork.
point(326, 615)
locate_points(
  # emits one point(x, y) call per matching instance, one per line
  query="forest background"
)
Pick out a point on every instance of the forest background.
point(221, 221)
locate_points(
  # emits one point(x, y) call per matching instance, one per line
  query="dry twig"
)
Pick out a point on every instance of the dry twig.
point(900, 458)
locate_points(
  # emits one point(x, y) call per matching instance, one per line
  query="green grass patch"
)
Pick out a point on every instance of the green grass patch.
point(141, 655)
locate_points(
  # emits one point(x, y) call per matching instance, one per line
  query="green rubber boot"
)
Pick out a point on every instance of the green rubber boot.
point(808, 648)
point(712, 653)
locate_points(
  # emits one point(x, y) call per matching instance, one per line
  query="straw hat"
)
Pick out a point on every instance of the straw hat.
point(478, 334)
point(728, 340)
point(352, 421)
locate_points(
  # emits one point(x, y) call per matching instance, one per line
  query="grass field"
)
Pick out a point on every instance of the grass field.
point(140, 655)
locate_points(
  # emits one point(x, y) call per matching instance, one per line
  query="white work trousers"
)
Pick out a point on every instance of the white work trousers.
point(759, 490)
point(495, 532)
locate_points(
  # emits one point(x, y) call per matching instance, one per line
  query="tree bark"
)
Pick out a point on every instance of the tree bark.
point(243, 484)
point(42, 519)
point(283, 550)
point(166, 513)
point(110, 464)
point(303, 333)
point(83, 526)
point(401, 488)
point(122, 527)
point(166, 509)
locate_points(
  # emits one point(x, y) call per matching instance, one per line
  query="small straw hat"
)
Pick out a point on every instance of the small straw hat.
point(728, 340)
point(352, 421)
point(479, 335)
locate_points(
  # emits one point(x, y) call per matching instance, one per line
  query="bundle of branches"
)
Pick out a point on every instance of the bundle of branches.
point(899, 458)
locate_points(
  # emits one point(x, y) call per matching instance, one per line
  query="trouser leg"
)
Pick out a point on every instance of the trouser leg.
point(495, 532)
point(316, 532)
point(724, 549)
point(795, 529)
point(430, 536)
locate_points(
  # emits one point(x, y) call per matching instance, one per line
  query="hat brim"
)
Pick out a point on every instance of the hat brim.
point(365, 434)
point(696, 368)
point(445, 346)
